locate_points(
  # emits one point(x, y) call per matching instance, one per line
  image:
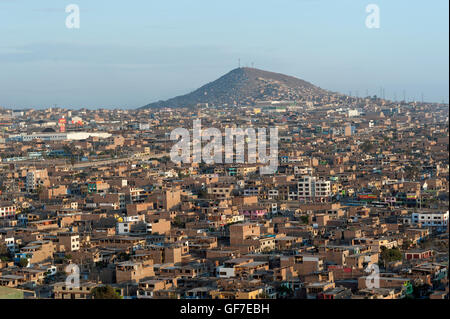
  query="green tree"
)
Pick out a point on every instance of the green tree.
point(101, 264)
point(178, 223)
point(122, 256)
point(105, 292)
point(182, 175)
point(367, 147)
point(284, 291)
point(263, 295)
point(412, 172)
point(3, 250)
point(390, 255)
point(164, 159)
point(406, 244)
point(304, 219)
point(23, 262)
point(202, 194)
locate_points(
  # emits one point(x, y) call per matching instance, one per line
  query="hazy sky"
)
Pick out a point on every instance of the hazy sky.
point(130, 53)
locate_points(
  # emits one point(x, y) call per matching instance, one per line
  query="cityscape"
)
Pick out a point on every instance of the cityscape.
point(257, 185)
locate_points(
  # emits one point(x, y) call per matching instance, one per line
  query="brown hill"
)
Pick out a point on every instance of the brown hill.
point(245, 86)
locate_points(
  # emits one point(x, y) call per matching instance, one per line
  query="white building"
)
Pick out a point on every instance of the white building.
point(10, 244)
point(144, 126)
point(430, 219)
point(311, 189)
point(137, 194)
point(272, 194)
point(225, 272)
point(123, 227)
point(35, 178)
point(251, 191)
point(303, 170)
point(7, 210)
point(352, 113)
point(70, 136)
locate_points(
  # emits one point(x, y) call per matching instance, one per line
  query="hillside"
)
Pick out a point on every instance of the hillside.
point(245, 86)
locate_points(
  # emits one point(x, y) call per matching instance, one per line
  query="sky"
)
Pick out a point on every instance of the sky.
point(126, 54)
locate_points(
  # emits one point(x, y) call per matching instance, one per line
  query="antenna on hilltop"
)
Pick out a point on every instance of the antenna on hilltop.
point(239, 63)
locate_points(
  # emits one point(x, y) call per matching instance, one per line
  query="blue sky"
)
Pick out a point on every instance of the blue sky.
point(129, 53)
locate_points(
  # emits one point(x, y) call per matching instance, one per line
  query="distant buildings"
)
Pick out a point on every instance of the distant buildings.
point(311, 189)
point(66, 136)
point(36, 179)
point(430, 219)
point(358, 185)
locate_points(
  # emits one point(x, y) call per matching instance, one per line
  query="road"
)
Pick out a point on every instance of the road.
point(81, 165)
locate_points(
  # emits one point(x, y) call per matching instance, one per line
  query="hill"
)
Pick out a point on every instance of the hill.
point(246, 86)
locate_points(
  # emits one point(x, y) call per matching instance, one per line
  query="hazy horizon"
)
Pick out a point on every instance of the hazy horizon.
point(126, 56)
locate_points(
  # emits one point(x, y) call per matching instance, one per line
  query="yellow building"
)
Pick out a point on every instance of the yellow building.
point(239, 294)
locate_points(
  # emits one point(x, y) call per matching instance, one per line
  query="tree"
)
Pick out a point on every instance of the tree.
point(202, 194)
point(178, 223)
point(164, 159)
point(3, 250)
point(122, 256)
point(406, 244)
point(182, 175)
point(412, 172)
point(101, 264)
point(263, 295)
point(304, 219)
point(69, 150)
point(367, 147)
point(23, 262)
point(284, 291)
point(105, 292)
point(390, 255)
